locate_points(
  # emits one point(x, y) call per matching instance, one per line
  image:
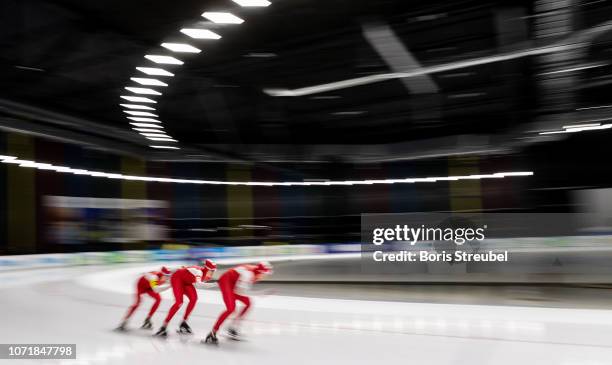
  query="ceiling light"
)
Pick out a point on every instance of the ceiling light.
point(181, 47)
point(146, 120)
point(152, 71)
point(222, 18)
point(80, 172)
point(142, 90)
point(148, 82)
point(246, 3)
point(138, 99)
point(161, 134)
point(595, 107)
point(16, 161)
point(136, 106)
point(166, 147)
point(579, 129)
point(162, 139)
point(62, 169)
point(141, 114)
point(168, 60)
point(581, 125)
point(147, 125)
point(45, 166)
point(200, 33)
point(146, 130)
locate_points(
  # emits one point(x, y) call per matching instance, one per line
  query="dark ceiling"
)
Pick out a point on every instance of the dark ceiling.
point(75, 57)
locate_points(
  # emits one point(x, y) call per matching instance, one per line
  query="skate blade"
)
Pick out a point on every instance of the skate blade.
point(184, 333)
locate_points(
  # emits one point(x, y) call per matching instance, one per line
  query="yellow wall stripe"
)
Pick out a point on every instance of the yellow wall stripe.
point(21, 197)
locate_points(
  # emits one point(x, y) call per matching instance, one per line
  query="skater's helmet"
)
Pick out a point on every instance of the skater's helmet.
point(264, 268)
point(164, 270)
point(209, 265)
point(208, 269)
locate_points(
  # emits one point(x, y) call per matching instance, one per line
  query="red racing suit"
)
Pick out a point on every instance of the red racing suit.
point(183, 281)
point(147, 284)
point(234, 283)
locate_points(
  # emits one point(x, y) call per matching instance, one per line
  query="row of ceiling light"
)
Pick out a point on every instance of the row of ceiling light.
point(139, 110)
point(65, 169)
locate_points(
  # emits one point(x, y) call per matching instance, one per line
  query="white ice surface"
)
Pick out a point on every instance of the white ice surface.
point(82, 305)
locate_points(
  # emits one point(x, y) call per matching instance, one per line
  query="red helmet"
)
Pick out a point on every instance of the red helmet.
point(264, 267)
point(164, 270)
point(209, 265)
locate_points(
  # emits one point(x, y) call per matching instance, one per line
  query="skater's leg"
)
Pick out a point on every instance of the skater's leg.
point(132, 308)
point(192, 295)
point(178, 301)
point(157, 299)
point(230, 304)
point(238, 319)
point(247, 304)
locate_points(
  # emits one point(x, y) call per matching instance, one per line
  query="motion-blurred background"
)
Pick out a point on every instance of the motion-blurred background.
point(301, 90)
point(153, 133)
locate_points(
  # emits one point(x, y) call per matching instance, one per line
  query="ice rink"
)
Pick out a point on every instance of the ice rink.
point(82, 305)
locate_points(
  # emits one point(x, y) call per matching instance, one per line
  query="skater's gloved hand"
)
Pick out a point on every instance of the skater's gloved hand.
point(203, 285)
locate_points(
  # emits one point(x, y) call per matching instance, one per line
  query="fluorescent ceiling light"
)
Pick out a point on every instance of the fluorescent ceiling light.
point(37, 165)
point(200, 33)
point(147, 125)
point(222, 18)
point(577, 68)
point(148, 82)
point(246, 3)
point(581, 125)
point(371, 79)
point(152, 71)
point(44, 166)
point(136, 106)
point(579, 129)
point(161, 134)
point(138, 99)
point(595, 107)
point(165, 147)
point(162, 139)
point(181, 47)
point(146, 120)
point(16, 161)
point(142, 90)
point(168, 60)
point(147, 130)
point(62, 169)
point(138, 113)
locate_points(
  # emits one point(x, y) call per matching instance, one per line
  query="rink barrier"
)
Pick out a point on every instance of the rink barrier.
point(568, 259)
point(8, 263)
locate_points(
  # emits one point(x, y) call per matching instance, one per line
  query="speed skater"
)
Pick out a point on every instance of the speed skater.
point(151, 283)
point(235, 284)
point(184, 282)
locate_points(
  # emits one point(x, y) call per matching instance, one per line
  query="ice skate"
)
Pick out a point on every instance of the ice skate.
point(211, 339)
point(233, 334)
point(162, 332)
point(122, 327)
point(184, 329)
point(147, 325)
